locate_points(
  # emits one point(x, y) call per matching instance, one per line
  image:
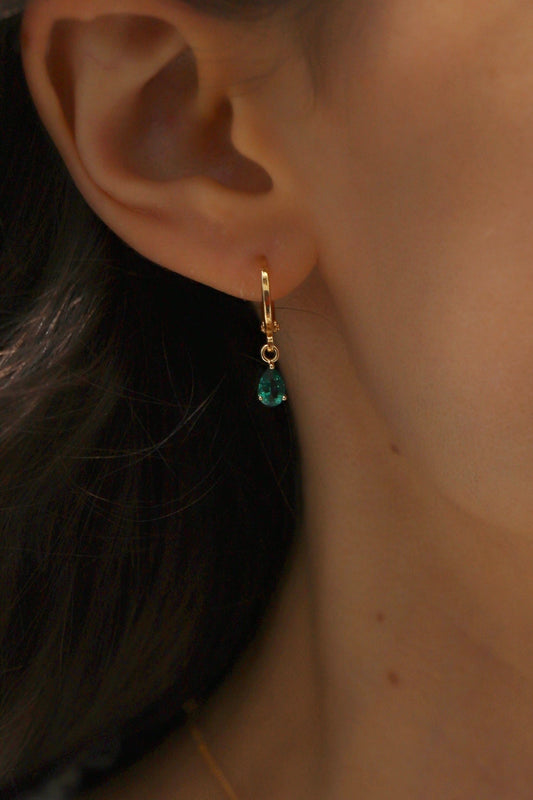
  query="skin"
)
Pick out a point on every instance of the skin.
point(391, 193)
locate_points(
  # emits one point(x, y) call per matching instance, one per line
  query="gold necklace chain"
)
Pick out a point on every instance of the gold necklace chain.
point(206, 754)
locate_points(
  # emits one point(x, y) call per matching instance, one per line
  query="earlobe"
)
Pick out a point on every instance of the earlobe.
point(145, 123)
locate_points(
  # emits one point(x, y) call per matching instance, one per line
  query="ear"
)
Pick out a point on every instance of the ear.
point(166, 118)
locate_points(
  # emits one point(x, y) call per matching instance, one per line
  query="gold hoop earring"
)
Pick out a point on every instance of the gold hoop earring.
point(271, 390)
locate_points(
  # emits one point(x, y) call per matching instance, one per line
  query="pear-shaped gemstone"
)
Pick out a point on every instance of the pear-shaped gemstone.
point(271, 390)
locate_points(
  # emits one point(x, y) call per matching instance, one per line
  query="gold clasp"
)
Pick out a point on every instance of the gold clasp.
point(269, 326)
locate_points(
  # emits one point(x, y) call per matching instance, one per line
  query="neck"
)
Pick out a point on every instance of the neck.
point(398, 656)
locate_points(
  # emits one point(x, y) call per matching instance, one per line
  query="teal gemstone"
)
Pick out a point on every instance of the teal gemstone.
point(271, 390)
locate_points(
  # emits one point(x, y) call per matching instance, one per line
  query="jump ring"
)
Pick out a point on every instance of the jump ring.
point(270, 348)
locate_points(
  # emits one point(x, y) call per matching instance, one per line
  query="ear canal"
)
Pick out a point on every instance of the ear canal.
point(152, 122)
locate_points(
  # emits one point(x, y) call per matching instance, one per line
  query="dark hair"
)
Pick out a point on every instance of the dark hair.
point(147, 500)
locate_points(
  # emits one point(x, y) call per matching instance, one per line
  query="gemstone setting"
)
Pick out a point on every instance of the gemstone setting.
point(271, 390)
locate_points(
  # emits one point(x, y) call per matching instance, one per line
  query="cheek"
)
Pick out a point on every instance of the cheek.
point(437, 291)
